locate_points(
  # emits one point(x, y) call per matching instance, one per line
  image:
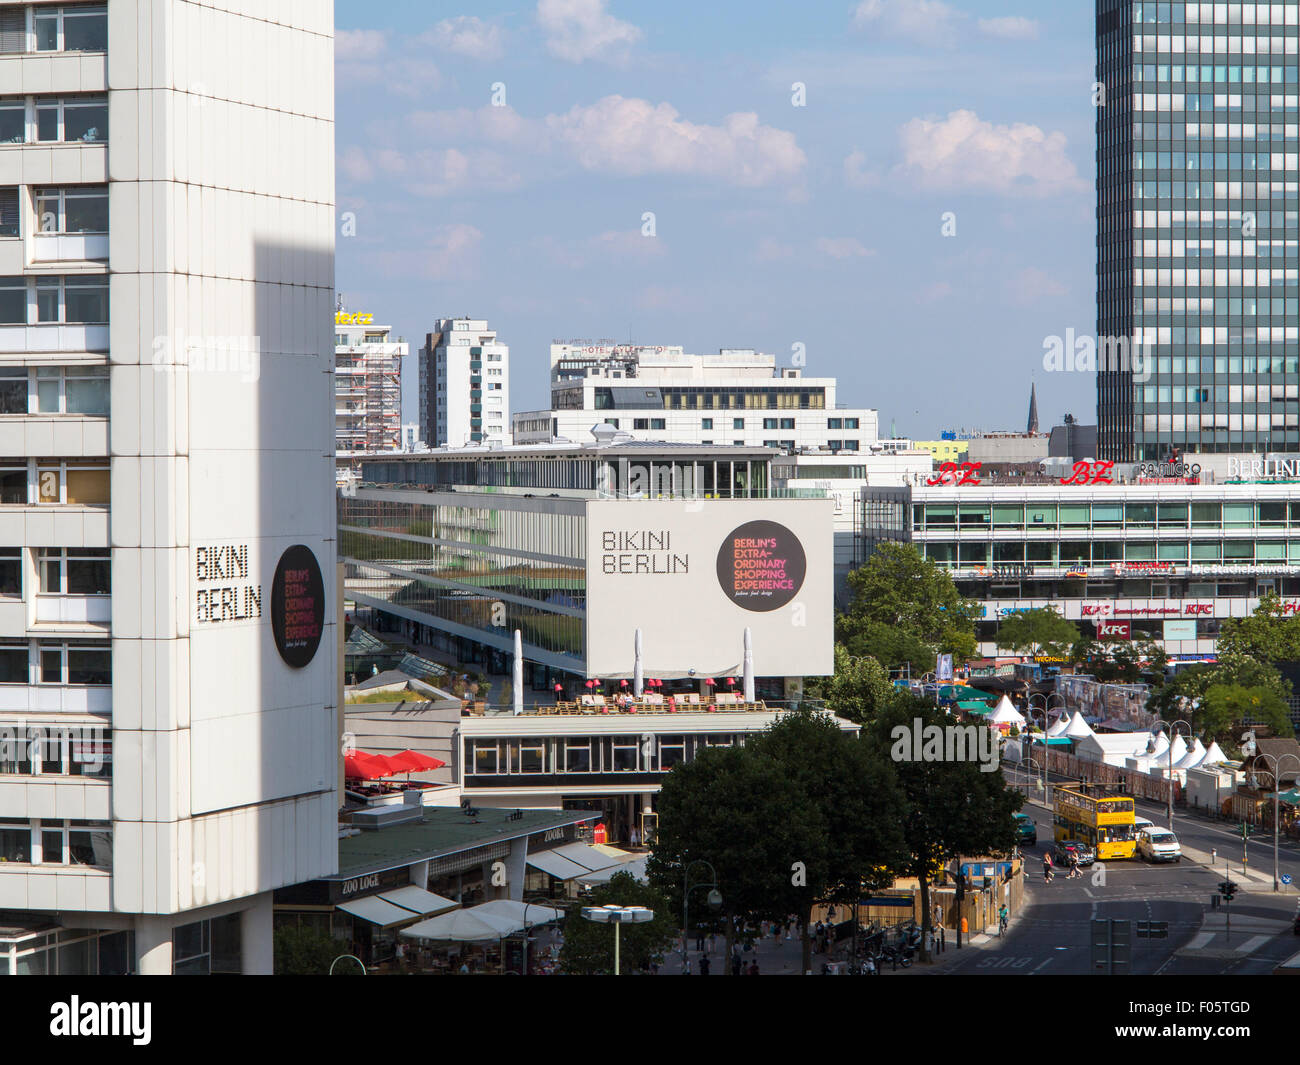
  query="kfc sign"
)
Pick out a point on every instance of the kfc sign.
point(1091, 610)
point(1114, 630)
point(1199, 610)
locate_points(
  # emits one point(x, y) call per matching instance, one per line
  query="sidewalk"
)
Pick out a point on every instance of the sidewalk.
point(784, 957)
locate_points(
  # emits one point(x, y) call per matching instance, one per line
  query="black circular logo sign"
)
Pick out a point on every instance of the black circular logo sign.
point(761, 565)
point(297, 606)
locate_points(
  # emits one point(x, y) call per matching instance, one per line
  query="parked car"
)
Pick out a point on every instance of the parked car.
point(1064, 848)
point(1158, 845)
point(1026, 830)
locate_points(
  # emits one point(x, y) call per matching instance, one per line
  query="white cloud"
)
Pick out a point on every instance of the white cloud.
point(466, 35)
point(923, 21)
point(938, 292)
point(431, 172)
point(770, 251)
point(1032, 286)
point(635, 137)
point(856, 173)
point(359, 44)
point(842, 248)
point(448, 253)
point(1011, 27)
point(962, 152)
point(577, 30)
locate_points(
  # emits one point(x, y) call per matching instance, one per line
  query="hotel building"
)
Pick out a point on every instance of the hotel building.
point(168, 707)
point(737, 397)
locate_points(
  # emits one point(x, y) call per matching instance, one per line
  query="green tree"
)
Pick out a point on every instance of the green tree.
point(308, 952)
point(906, 609)
point(1120, 661)
point(950, 807)
point(1038, 631)
point(1228, 708)
point(589, 947)
point(858, 689)
point(741, 812)
point(853, 791)
point(1269, 635)
point(1185, 695)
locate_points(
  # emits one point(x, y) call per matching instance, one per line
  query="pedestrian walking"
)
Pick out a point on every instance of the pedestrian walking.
point(699, 937)
point(753, 968)
point(704, 965)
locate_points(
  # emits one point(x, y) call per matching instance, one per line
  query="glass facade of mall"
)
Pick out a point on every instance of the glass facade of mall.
point(1198, 227)
point(1146, 555)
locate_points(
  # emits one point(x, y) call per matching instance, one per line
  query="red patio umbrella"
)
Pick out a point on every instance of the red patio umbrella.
point(731, 682)
point(414, 762)
point(360, 765)
point(623, 683)
point(710, 682)
point(591, 684)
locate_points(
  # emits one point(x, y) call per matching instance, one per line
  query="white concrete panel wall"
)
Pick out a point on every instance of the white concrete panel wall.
point(222, 187)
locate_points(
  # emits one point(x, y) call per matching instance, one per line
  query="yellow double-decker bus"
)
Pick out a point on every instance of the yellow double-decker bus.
point(1097, 814)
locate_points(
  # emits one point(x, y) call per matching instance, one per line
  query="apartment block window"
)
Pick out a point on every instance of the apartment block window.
point(738, 423)
point(640, 423)
point(706, 423)
point(770, 443)
point(79, 209)
point(13, 120)
point(835, 445)
point(72, 300)
point(72, 119)
point(13, 482)
point(13, 663)
point(786, 423)
point(834, 423)
point(626, 751)
point(74, 571)
point(72, 390)
point(771, 423)
point(74, 662)
point(13, 390)
point(9, 213)
point(850, 445)
point(657, 423)
point(788, 445)
point(850, 423)
point(74, 28)
point(13, 31)
point(612, 421)
point(11, 572)
point(83, 481)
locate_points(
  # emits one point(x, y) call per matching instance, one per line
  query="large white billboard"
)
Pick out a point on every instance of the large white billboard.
point(693, 575)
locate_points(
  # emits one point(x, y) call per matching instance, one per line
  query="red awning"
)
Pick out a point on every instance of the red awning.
point(414, 762)
point(362, 766)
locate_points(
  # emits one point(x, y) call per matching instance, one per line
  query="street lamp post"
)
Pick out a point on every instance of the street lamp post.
point(715, 898)
point(1277, 787)
point(1173, 732)
point(617, 916)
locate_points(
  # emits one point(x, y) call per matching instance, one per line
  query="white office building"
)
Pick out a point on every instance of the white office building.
point(464, 385)
point(737, 397)
point(168, 663)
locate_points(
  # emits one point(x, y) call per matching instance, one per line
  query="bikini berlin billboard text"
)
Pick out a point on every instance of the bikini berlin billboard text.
point(693, 576)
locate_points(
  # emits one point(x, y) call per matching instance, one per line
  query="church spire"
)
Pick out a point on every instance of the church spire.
point(1033, 409)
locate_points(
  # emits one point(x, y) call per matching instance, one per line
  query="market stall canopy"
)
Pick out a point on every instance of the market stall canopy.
point(1214, 756)
point(962, 691)
point(1058, 727)
point(524, 915)
point(972, 706)
point(1192, 758)
point(1006, 713)
point(420, 902)
point(1078, 728)
point(636, 866)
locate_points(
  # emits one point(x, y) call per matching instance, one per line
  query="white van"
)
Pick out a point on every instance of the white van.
point(1159, 845)
point(1139, 823)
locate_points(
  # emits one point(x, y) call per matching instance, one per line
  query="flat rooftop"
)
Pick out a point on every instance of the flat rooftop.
point(443, 831)
point(568, 449)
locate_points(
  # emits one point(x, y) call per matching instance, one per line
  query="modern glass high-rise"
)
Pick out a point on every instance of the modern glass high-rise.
point(1197, 227)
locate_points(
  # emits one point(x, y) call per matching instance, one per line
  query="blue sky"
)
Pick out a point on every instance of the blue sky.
point(775, 224)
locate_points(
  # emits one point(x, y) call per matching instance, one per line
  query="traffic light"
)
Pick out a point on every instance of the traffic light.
point(1227, 889)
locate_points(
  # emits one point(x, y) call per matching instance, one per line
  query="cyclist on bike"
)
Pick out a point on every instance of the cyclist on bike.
point(1003, 916)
